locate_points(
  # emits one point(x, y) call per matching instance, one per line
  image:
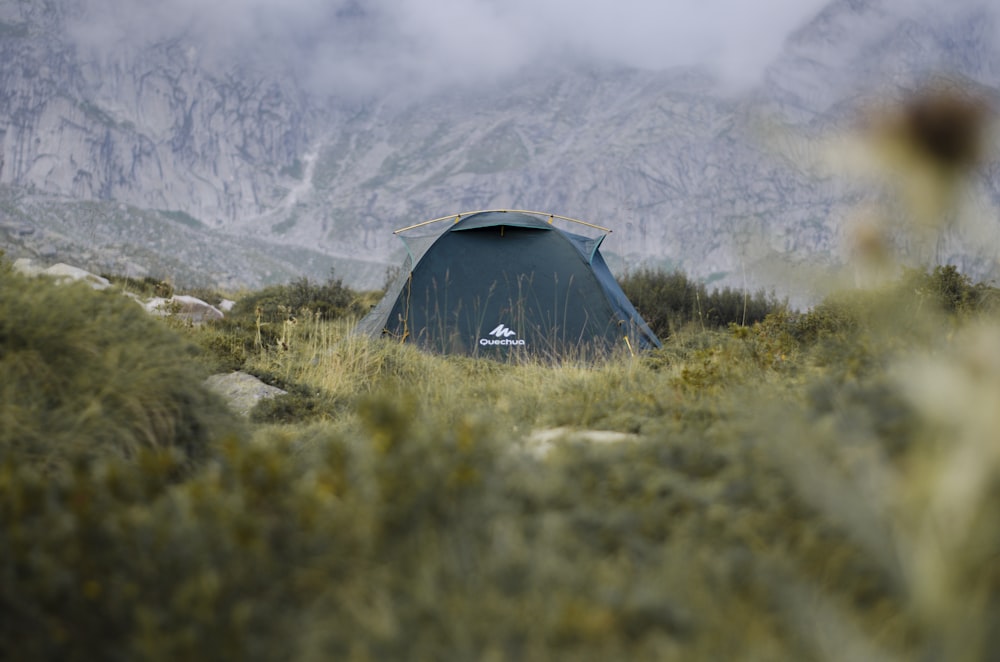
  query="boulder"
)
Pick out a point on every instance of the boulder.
point(26, 266)
point(241, 390)
point(186, 307)
point(62, 271)
point(541, 442)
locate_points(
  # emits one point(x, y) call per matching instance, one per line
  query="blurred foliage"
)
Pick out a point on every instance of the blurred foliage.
point(953, 292)
point(815, 485)
point(89, 373)
point(670, 301)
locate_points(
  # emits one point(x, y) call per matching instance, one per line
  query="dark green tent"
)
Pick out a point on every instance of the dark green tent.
point(497, 282)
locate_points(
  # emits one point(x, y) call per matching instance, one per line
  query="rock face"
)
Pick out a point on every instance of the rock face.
point(161, 159)
point(147, 127)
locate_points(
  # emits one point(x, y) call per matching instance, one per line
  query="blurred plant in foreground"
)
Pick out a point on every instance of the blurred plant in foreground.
point(904, 455)
point(925, 151)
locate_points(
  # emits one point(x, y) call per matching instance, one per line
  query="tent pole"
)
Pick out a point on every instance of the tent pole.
point(458, 217)
point(435, 220)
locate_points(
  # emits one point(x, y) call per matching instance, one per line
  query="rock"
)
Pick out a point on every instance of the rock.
point(241, 390)
point(186, 307)
point(27, 267)
point(540, 442)
point(62, 271)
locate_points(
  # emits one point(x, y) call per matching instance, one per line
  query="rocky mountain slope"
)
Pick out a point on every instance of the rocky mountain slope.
point(159, 159)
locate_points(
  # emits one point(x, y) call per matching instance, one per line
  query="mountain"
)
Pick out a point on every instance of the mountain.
point(162, 157)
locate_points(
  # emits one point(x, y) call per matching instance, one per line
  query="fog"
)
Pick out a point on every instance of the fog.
point(372, 45)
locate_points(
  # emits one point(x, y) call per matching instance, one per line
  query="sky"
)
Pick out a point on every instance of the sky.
point(368, 45)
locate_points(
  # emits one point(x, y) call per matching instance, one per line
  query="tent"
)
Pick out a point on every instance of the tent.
point(497, 282)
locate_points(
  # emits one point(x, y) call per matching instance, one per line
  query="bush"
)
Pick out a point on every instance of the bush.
point(278, 552)
point(952, 292)
point(279, 302)
point(670, 301)
point(264, 319)
point(91, 373)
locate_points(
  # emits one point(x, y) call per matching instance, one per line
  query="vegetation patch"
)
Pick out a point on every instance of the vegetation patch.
point(285, 225)
point(13, 30)
point(669, 301)
point(762, 489)
point(91, 374)
point(183, 218)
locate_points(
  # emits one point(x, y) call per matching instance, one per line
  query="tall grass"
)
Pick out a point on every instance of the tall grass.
point(776, 492)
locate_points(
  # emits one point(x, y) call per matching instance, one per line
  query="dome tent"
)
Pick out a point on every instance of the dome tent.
point(497, 282)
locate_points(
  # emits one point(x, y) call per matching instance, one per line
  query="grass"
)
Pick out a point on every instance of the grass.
point(779, 496)
point(776, 488)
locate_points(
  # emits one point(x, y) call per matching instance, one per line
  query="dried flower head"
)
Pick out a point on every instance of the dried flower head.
point(943, 125)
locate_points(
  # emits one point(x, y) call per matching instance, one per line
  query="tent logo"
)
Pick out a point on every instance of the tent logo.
point(502, 332)
point(501, 336)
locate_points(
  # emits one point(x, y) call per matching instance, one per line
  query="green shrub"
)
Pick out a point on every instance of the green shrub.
point(91, 373)
point(227, 344)
point(950, 291)
point(277, 303)
point(279, 551)
point(670, 301)
point(265, 319)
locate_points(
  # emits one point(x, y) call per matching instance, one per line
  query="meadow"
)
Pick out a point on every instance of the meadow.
point(795, 485)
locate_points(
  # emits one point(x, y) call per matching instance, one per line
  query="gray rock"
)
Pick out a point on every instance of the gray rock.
point(27, 267)
point(62, 271)
point(186, 307)
point(540, 443)
point(242, 391)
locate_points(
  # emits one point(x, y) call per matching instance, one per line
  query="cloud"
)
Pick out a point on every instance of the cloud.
point(369, 45)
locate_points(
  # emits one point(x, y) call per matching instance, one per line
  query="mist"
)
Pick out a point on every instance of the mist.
point(350, 46)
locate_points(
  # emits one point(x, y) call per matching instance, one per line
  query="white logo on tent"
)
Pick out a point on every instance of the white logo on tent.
point(502, 332)
point(501, 336)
